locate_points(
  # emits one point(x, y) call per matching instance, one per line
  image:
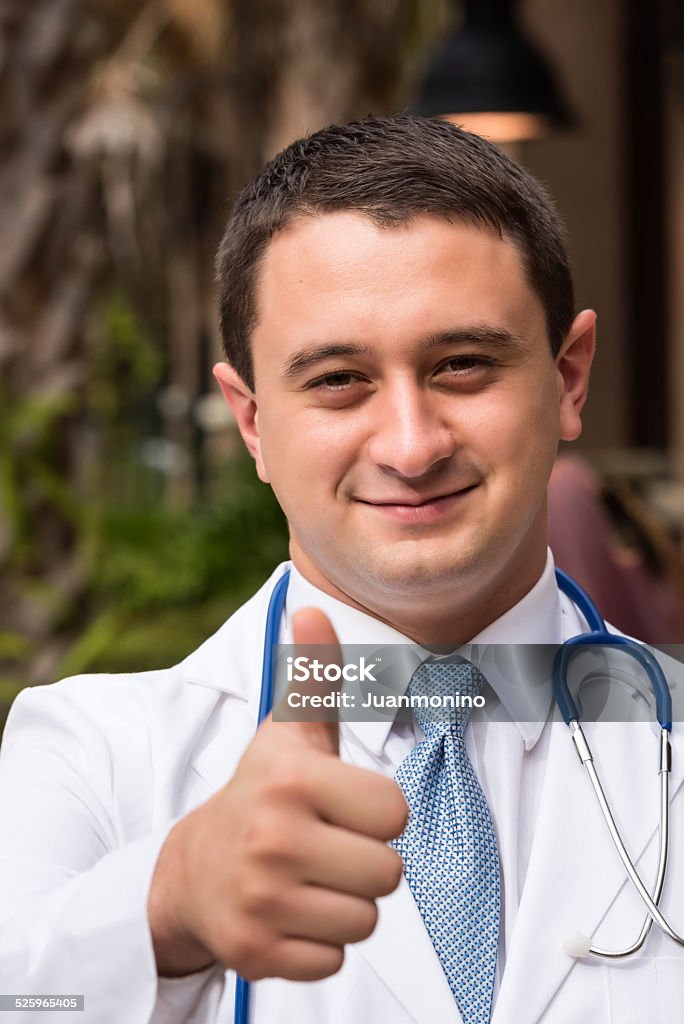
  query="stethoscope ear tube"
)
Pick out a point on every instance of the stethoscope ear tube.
point(664, 834)
point(271, 633)
point(599, 636)
point(561, 691)
point(579, 597)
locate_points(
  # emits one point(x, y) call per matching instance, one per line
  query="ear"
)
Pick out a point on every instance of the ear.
point(243, 404)
point(573, 364)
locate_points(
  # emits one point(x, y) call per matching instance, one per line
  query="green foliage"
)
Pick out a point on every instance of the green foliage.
point(159, 556)
point(125, 365)
point(164, 578)
point(13, 644)
point(28, 475)
point(158, 578)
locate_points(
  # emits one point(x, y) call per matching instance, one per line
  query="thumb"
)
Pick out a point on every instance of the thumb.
point(315, 648)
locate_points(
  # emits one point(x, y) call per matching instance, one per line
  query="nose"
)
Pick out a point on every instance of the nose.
point(410, 436)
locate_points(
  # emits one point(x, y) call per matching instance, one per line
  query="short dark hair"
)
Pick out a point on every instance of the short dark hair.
point(391, 169)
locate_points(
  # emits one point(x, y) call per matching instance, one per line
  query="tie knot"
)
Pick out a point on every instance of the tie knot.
point(442, 694)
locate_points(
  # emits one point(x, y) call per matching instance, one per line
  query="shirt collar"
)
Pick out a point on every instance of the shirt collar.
point(535, 619)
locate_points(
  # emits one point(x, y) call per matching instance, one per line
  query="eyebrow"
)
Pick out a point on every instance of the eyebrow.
point(486, 334)
point(312, 355)
point(305, 358)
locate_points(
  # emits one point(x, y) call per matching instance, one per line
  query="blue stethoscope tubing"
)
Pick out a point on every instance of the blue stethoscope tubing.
point(271, 633)
point(597, 635)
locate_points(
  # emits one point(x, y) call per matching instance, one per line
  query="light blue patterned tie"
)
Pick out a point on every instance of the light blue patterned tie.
point(449, 848)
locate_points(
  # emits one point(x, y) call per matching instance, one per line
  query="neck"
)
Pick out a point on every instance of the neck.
point(450, 616)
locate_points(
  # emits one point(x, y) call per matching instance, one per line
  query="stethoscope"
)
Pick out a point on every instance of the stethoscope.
point(577, 945)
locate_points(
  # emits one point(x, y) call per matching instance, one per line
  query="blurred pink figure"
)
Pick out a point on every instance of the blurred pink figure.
point(644, 600)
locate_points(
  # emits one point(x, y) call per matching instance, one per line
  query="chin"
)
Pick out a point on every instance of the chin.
point(412, 574)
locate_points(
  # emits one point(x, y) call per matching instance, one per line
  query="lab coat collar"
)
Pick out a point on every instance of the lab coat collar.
point(536, 619)
point(230, 659)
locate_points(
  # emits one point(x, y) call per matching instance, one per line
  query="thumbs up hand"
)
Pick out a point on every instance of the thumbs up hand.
point(281, 868)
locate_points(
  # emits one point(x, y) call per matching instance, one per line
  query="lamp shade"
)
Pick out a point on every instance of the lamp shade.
point(488, 68)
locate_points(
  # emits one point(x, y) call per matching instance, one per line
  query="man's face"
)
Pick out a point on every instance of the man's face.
point(407, 406)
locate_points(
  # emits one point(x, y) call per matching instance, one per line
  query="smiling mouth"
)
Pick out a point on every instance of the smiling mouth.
point(418, 502)
point(425, 510)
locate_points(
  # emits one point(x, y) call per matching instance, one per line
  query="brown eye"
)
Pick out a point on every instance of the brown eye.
point(462, 365)
point(337, 380)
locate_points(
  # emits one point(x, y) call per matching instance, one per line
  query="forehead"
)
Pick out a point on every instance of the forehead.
point(337, 271)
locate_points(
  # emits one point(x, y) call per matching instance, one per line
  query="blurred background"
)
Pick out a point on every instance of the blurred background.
point(130, 523)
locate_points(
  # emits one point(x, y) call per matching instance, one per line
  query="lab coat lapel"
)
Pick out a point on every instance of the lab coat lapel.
point(574, 874)
point(230, 661)
point(215, 762)
point(403, 957)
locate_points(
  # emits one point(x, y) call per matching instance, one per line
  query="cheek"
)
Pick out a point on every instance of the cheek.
point(308, 449)
point(512, 433)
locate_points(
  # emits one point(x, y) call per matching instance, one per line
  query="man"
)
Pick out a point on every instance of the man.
point(402, 360)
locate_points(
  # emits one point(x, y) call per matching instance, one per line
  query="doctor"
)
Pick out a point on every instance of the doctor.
point(402, 359)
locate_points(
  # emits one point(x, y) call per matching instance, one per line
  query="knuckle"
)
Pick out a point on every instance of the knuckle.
point(332, 961)
point(402, 811)
point(260, 898)
point(320, 962)
point(250, 954)
point(273, 766)
point(252, 966)
point(390, 872)
point(257, 834)
point(289, 780)
point(268, 835)
point(366, 923)
point(397, 811)
point(392, 809)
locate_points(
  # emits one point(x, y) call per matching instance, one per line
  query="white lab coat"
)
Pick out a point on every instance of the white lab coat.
point(97, 768)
